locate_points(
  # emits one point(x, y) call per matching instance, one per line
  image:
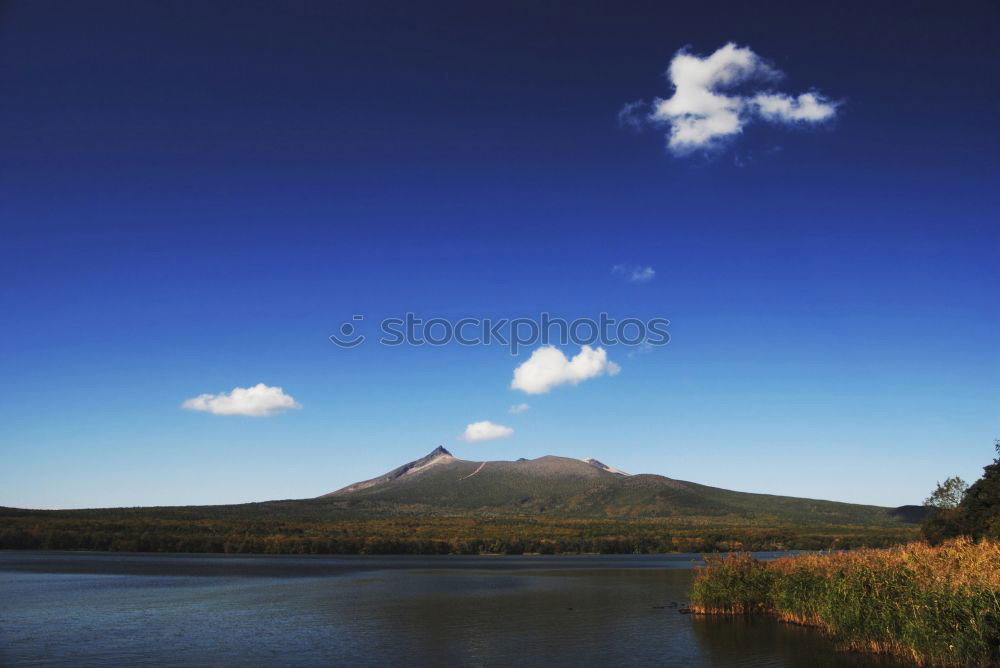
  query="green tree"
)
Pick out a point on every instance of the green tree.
point(948, 494)
point(981, 505)
point(961, 511)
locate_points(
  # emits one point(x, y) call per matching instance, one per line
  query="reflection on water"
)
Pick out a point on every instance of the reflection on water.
point(113, 610)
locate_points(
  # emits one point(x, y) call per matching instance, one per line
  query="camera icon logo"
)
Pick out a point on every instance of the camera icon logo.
point(349, 338)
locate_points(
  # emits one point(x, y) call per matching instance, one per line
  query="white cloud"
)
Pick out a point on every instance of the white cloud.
point(485, 431)
point(518, 408)
point(705, 111)
point(632, 115)
point(548, 367)
point(259, 400)
point(807, 107)
point(642, 275)
point(634, 273)
point(643, 348)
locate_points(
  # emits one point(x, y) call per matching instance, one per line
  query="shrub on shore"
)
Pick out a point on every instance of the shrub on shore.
point(933, 605)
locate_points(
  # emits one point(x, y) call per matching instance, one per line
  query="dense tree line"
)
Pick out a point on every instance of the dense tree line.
point(459, 535)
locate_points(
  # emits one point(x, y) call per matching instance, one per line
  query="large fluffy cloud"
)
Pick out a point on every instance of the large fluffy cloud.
point(259, 400)
point(706, 109)
point(548, 367)
point(485, 431)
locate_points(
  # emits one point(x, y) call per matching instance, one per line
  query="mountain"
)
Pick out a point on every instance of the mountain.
point(436, 456)
point(603, 466)
point(440, 483)
point(440, 504)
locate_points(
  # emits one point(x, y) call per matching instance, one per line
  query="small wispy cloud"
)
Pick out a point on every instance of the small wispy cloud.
point(634, 273)
point(643, 348)
point(807, 107)
point(632, 115)
point(258, 401)
point(485, 431)
point(517, 409)
point(705, 110)
point(548, 367)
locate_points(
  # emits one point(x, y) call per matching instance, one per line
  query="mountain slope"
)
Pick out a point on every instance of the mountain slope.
point(440, 483)
point(440, 504)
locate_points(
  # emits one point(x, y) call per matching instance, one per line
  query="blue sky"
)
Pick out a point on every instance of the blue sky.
point(194, 200)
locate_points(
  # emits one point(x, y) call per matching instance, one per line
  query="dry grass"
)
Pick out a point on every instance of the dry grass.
point(932, 605)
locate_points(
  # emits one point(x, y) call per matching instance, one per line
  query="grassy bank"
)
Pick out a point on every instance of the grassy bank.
point(934, 605)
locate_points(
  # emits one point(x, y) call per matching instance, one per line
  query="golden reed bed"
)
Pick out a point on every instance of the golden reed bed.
point(932, 605)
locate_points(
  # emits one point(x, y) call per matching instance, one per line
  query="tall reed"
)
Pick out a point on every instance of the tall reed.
point(933, 605)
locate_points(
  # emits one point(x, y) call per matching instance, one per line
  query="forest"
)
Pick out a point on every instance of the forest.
point(145, 532)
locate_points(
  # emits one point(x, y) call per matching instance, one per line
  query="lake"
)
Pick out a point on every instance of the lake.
point(89, 609)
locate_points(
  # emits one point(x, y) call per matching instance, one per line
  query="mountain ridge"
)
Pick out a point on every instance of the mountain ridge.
point(440, 504)
point(557, 486)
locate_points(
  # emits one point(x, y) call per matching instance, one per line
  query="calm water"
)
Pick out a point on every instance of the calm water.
point(74, 609)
